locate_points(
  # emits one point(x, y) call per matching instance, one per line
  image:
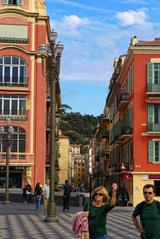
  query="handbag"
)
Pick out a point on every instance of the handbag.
point(85, 235)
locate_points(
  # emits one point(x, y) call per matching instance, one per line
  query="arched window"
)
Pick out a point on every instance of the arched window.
point(18, 140)
point(13, 71)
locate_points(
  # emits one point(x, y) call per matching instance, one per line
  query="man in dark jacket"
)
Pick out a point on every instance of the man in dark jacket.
point(66, 195)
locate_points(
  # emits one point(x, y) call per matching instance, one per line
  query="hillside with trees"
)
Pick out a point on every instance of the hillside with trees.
point(79, 128)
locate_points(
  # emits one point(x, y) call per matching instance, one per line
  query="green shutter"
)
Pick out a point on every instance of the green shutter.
point(151, 151)
point(150, 68)
point(150, 73)
point(150, 113)
point(5, 1)
point(159, 150)
point(20, 2)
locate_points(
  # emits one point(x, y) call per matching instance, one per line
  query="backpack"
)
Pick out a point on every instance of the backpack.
point(141, 205)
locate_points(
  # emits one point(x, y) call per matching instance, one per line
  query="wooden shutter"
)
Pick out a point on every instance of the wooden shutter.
point(5, 2)
point(151, 146)
point(150, 113)
point(20, 2)
point(150, 68)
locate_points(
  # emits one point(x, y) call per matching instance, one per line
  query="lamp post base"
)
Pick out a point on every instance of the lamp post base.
point(51, 219)
point(6, 202)
point(51, 213)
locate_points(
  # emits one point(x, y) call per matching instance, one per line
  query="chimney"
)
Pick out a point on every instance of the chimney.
point(134, 40)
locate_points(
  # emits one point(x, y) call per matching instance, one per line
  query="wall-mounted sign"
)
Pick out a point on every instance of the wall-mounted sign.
point(155, 176)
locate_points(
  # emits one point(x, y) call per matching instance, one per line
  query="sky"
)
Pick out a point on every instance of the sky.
point(94, 33)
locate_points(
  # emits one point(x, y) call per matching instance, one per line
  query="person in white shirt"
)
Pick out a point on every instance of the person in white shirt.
point(46, 191)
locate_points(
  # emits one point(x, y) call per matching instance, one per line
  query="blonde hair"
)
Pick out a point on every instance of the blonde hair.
point(102, 190)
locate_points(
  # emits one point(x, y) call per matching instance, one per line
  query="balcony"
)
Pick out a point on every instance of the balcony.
point(14, 115)
point(16, 158)
point(153, 88)
point(123, 101)
point(14, 82)
point(154, 127)
point(126, 132)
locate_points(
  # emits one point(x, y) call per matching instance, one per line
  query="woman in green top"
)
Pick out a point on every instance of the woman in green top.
point(98, 210)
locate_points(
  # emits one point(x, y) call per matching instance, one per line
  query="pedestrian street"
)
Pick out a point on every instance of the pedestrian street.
point(20, 223)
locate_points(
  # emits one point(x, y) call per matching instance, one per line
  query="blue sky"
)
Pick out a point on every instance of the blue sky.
point(94, 32)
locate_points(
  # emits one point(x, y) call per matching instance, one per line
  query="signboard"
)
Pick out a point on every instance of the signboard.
point(156, 176)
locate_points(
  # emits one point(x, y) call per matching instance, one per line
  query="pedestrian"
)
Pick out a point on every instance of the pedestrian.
point(45, 194)
point(27, 193)
point(38, 196)
point(66, 195)
point(149, 212)
point(123, 197)
point(97, 211)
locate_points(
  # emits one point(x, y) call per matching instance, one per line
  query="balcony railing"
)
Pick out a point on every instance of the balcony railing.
point(151, 87)
point(14, 81)
point(154, 127)
point(123, 100)
point(14, 115)
point(16, 157)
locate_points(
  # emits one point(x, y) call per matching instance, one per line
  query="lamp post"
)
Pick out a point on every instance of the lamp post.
point(90, 173)
point(53, 55)
point(8, 131)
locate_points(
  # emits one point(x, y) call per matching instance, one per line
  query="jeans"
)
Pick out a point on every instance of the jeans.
point(38, 202)
point(65, 202)
point(100, 237)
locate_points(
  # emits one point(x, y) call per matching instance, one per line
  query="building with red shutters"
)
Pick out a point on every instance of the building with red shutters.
point(134, 118)
point(24, 25)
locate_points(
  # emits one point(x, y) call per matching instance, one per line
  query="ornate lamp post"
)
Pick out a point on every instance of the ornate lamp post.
point(53, 55)
point(8, 131)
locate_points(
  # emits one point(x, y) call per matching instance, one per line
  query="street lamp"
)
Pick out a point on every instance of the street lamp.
point(90, 173)
point(53, 55)
point(8, 131)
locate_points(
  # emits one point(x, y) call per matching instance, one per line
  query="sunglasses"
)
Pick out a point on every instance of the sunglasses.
point(147, 193)
point(98, 194)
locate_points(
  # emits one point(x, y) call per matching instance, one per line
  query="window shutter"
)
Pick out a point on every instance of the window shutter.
point(150, 72)
point(150, 113)
point(159, 150)
point(151, 151)
point(20, 2)
point(5, 1)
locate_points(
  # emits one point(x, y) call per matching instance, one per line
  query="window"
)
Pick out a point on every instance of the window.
point(11, 105)
point(154, 151)
point(153, 77)
point(154, 117)
point(157, 187)
point(13, 71)
point(14, 2)
point(18, 140)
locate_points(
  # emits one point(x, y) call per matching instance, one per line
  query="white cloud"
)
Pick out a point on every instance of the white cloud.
point(74, 21)
point(131, 17)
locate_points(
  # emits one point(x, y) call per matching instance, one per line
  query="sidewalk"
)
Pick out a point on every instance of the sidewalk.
point(21, 221)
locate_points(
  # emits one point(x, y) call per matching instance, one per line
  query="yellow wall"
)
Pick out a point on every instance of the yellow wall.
point(139, 180)
point(63, 160)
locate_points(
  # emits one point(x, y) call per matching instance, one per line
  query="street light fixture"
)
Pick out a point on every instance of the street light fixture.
point(53, 55)
point(8, 131)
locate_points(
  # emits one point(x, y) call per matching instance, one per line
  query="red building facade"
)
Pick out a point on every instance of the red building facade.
point(134, 118)
point(24, 25)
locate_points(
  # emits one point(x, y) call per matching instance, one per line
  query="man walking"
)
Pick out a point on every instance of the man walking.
point(66, 195)
point(149, 212)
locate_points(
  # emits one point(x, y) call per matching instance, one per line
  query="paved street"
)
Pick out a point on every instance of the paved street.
point(21, 221)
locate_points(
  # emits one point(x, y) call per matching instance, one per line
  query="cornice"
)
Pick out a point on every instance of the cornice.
point(18, 48)
point(18, 11)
